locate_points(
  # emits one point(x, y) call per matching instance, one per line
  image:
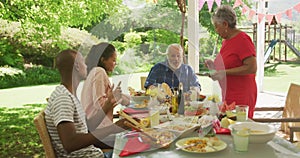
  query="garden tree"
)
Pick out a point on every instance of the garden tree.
point(42, 20)
point(205, 16)
point(51, 15)
point(157, 21)
point(165, 14)
point(151, 16)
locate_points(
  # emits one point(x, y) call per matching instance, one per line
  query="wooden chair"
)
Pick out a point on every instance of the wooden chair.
point(40, 124)
point(290, 120)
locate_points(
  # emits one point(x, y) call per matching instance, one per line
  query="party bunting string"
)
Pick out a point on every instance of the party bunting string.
point(251, 12)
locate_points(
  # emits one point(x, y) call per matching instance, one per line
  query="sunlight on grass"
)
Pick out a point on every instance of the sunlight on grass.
point(19, 137)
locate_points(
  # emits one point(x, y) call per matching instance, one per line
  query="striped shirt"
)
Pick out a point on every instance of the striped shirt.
point(64, 106)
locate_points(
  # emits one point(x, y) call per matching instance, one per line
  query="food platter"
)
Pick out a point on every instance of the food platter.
point(201, 145)
point(137, 106)
point(181, 128)
point(163, 137)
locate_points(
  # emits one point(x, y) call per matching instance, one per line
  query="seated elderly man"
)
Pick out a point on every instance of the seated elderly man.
point(173, 71)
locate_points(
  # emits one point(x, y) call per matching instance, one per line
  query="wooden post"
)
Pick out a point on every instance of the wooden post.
point(280, 41)
point(254, 34)
point(274, 50)
point(285, 47)
point(269, 37)
point(293, 36)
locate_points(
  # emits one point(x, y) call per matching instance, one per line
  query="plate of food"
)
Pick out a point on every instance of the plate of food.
point(201, 145)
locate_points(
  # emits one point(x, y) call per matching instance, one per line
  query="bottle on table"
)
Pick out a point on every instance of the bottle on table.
point(174, 102)
point(180, 99)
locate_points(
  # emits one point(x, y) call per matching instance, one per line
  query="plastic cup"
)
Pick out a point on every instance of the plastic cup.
point(242, 112)
point(154, 117)
point(240, 139)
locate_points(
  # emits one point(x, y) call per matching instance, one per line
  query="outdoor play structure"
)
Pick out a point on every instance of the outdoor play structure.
point(282, 34)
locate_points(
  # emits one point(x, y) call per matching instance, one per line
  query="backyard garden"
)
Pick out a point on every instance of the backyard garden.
point(32, 33)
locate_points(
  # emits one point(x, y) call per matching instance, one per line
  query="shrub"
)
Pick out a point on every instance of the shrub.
point(17, 44)
point(36, 75)
point(132, 39)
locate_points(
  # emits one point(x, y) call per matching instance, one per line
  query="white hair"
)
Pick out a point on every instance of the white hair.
point(173, 46)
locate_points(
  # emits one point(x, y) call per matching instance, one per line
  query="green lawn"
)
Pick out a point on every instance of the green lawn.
point(286, 73)
point(19, 137)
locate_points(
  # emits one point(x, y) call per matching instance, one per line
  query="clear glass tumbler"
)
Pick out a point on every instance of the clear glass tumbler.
point(240, 139)
point(242, 112)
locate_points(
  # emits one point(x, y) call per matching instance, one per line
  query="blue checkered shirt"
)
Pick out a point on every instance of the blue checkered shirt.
point(161, 72)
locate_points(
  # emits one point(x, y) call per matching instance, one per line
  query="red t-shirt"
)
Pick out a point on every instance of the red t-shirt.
point(239, 88)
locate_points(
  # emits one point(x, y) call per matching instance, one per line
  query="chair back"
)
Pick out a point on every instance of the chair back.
point(40, 124)
point(292, 109)
point(143, 80)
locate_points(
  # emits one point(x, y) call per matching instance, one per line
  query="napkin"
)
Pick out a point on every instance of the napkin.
point(222, 131)
point(218, 129)
point(133, 146)
point(133, 111)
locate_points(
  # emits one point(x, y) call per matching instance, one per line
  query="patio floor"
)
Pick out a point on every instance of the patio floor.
point(269, 99)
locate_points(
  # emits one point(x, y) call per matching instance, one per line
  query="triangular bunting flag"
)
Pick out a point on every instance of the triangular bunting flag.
point(210, 4)
point(245, 9)
point(289, 13)
point(237, 3)
point(260, 17)
point(218, 2)
point(269, 18)
point(251, 14)
point(297, 7)
point(201, 3)
point(278, 17)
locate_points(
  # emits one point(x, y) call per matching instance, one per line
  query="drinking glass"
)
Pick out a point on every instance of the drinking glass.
point(240, 139)
point(242, 112)
point(214, 108)
point(154, 117)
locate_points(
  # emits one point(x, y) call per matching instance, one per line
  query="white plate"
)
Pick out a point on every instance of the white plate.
point(221, 145)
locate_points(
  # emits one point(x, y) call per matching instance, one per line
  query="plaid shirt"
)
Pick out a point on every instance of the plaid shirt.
point(161, 72)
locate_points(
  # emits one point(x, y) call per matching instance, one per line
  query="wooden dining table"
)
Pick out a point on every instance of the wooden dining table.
point(276, 148)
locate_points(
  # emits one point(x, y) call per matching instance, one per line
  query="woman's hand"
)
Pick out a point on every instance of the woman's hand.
point(111, 101)
point(209, 64)
point(117, 93)
point(218, 75)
